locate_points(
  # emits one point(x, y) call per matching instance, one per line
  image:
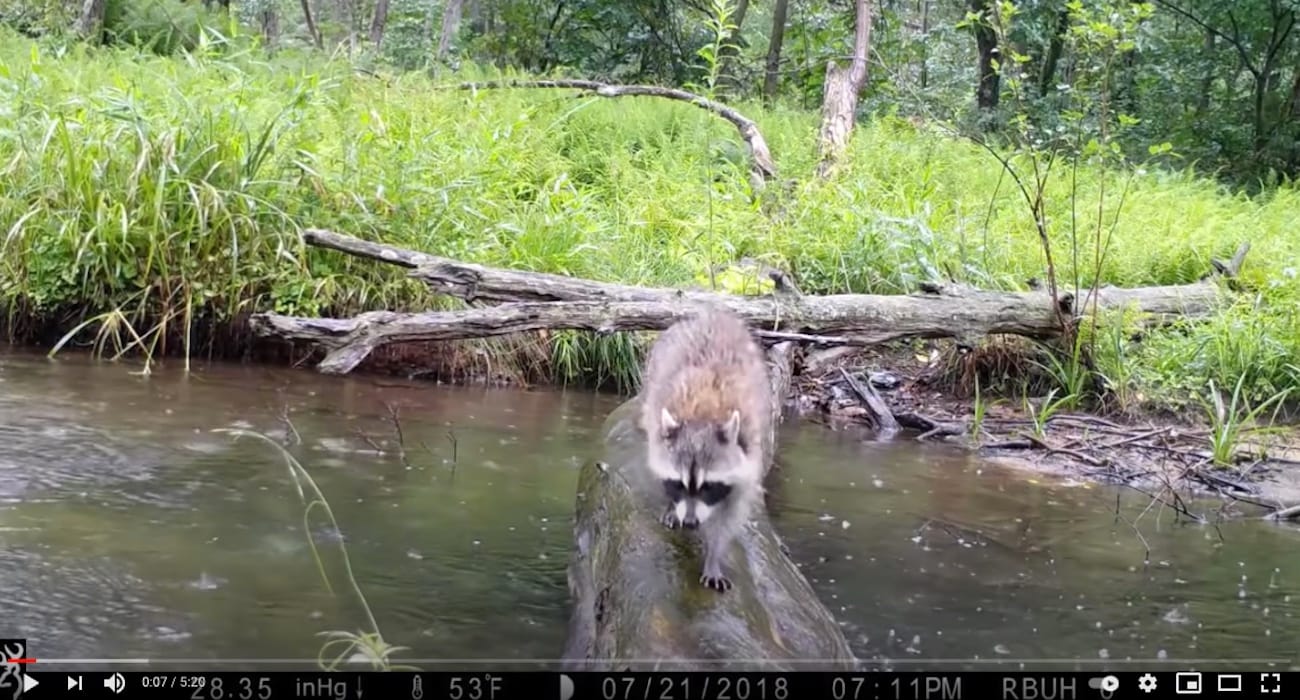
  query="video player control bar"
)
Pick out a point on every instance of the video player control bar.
point(797, 685)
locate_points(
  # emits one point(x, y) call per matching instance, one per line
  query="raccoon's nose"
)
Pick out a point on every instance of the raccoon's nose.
point(690, 522)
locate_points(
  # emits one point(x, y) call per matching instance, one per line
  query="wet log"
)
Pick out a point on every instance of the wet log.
point(637, 600)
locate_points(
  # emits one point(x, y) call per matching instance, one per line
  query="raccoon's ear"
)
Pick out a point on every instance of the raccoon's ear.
point(731, 429)
point(667, 423)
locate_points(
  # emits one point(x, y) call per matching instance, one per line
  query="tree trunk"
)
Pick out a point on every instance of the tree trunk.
point(379, 22)
point(1294, 100)
point(731, 52)
point(269, 18)
point(534, 301)
point(988, 89)
point(637, 598)
point(772, 77)
point(1127, 90)
point(1207, 80)
point(840, 96)
point(311, 24)
point(1047, 80)
point(451, 14)
point(1262, 86)
point(925, 52)
point(90, 25)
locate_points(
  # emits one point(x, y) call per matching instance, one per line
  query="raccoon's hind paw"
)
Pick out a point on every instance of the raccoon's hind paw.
point(719, 583)
point(669, 518)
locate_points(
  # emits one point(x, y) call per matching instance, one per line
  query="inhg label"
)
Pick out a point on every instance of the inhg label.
point(11, 669)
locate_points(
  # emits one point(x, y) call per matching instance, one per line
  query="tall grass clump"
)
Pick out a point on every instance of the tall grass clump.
point(170, 190)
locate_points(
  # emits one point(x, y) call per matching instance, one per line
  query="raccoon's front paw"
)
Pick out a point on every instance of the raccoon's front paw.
point(712, 576)
point(669, 518)
point(719, 582)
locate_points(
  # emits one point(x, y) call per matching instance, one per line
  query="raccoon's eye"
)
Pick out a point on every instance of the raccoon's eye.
point(742, 443)
point(714, 492)
point(675, 489)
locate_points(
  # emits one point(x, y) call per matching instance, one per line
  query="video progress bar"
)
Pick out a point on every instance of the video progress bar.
point(995, 660)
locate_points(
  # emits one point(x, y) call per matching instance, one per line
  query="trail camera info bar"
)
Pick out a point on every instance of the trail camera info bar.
point(23, 677)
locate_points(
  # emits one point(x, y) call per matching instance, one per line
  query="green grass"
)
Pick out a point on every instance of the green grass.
point(170, 189)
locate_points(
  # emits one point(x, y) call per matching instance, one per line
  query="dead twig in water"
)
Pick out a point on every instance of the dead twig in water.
point(884, 418)
point(451, 437)
point(288, 424)
point(1146, 546)
point(1290, 513)
point(930, 426)
point(365, 437)
point(395, 419)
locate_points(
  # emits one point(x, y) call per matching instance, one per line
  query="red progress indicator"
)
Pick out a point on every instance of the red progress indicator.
point(20, 661)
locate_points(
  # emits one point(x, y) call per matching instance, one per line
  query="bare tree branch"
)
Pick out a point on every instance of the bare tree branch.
point(762, 167)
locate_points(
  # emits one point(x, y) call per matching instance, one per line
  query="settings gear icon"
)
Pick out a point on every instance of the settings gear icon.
point(1147, 683)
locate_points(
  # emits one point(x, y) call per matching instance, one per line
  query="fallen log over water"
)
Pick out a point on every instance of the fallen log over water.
point(531, 301)
point(638, 602)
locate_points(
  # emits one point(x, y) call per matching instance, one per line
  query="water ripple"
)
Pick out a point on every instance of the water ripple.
point(107, 600)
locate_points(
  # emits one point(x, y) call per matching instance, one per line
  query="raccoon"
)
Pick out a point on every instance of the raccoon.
point(704, 409)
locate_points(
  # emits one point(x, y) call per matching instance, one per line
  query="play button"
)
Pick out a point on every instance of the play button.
point(29, 683)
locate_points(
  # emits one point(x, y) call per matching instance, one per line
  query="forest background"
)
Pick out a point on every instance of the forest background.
point(159, 158)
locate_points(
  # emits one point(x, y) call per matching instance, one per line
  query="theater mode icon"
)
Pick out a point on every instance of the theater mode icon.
point(1229, 682)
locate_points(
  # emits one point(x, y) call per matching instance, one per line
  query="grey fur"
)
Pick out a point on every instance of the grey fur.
point(705, 411)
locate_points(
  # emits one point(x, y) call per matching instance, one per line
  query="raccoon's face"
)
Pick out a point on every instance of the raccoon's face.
point(706, 457)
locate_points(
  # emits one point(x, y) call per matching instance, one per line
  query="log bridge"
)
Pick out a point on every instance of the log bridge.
point(637, 603)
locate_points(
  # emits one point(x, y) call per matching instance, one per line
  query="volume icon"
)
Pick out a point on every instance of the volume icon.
point(115, 683)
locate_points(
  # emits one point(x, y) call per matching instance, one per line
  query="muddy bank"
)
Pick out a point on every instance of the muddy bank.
point(1167, 456)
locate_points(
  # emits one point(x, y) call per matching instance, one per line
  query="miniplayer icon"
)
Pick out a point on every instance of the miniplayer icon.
point(1187, 683)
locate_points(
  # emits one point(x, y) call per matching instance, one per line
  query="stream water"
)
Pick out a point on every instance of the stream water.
point(131, 529)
